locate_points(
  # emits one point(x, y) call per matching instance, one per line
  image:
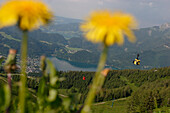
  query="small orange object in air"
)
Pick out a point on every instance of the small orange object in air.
point(84, 78)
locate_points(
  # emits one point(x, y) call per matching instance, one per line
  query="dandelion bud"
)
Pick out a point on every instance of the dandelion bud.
point(105, 72)
point(43, 63)
point(10, 64)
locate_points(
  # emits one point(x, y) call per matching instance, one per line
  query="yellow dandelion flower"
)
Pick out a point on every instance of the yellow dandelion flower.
point(108, 27)
point(28, 14)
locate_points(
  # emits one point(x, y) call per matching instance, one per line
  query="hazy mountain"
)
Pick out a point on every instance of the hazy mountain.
point(153, 45)
point(68, 27)
point(64, 20)
point(39, 43)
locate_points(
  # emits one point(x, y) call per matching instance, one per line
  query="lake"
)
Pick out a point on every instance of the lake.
point(65, 65)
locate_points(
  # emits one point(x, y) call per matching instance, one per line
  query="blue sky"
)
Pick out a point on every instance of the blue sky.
point(147, 12)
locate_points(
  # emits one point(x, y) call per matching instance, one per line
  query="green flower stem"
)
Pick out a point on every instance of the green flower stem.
point(96, 81)
point(10, 86)
point(9, 80)
point(22, 92)
point(100, 81)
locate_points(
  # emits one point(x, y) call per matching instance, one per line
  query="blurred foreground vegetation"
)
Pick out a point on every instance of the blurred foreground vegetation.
point(147, 90)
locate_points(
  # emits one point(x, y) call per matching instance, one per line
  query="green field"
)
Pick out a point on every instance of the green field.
point(73, 49)
point(119, 106)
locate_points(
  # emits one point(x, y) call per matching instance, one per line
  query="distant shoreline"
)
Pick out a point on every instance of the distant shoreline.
point(66, 65)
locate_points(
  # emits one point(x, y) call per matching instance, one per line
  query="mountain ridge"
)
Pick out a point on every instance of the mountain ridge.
point(153, 45)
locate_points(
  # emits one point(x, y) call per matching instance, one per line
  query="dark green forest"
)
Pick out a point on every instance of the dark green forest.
point(147, 89)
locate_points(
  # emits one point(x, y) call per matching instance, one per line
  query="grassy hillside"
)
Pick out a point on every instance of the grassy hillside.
point(153, 45)
point(140, 88)
point(119, 106)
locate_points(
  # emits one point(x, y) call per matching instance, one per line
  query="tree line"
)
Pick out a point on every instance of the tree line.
point(153, 86)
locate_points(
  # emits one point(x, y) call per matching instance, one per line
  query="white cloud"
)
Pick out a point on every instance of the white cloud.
point(148, 12)
point(150, 4)
point(74, 0)
point(100, 2)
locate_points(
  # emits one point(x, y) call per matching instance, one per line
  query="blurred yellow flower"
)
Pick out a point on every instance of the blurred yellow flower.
point(108, 27)
point(28, 14)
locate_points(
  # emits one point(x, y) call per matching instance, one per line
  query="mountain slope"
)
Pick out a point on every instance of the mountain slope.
point(153, 45)
point(11, 38)
point(67, 27)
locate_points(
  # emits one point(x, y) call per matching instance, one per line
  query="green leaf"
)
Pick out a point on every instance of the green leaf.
point(5, 97)
point(1, 60)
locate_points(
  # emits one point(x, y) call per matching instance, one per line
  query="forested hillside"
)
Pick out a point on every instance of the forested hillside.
point(11, 38)
point(153, 45)
point(118, 84)
point(152, 86)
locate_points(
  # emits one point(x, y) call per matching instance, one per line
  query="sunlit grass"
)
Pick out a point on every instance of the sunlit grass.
point(118, 107)
point(9, 37)
point(73, 50)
